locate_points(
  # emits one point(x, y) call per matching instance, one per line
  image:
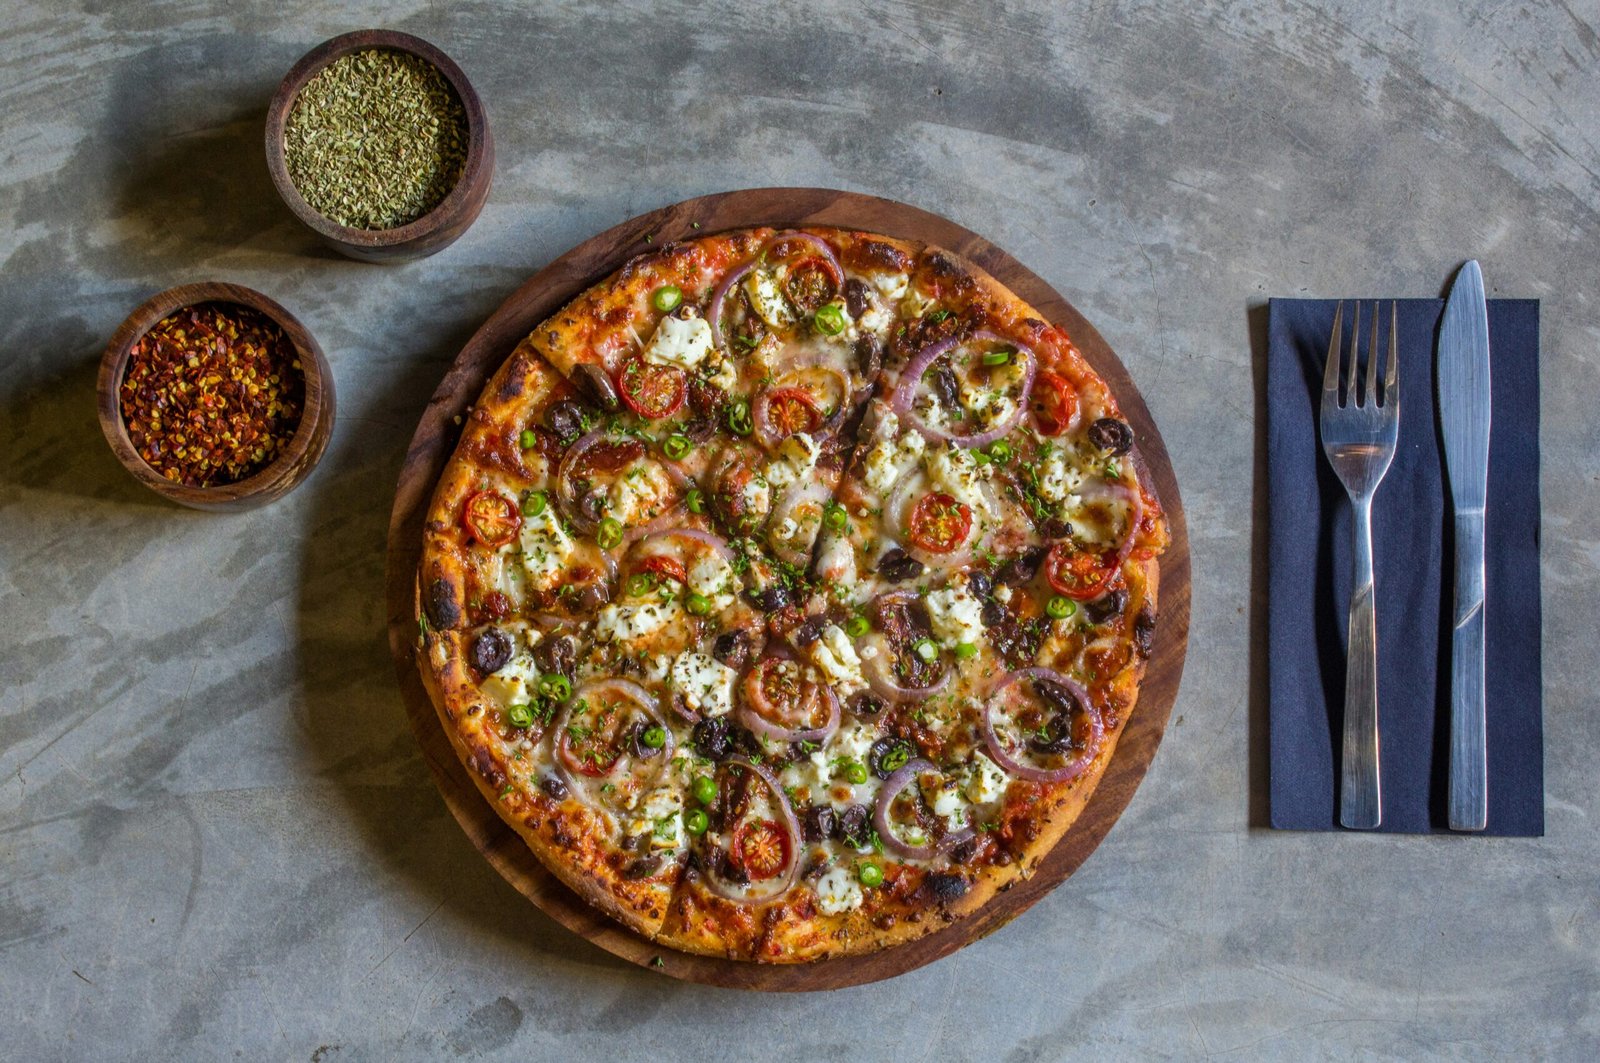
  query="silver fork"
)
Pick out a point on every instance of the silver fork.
point(1358, 436)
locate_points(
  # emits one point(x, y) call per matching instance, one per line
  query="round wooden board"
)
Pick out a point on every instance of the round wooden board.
point(435, 440)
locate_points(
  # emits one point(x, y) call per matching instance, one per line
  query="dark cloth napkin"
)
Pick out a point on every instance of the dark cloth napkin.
point(1414, 556)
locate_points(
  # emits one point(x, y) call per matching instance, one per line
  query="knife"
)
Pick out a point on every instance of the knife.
point(1463, 381)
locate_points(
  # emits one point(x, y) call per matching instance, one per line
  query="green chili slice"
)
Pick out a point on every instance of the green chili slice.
point(830, 319)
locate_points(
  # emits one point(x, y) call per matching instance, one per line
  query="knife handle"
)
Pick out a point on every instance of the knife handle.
point(1360, 787)
point(1469, 769)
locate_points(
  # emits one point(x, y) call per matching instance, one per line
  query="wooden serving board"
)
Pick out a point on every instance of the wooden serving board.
point(435, 440)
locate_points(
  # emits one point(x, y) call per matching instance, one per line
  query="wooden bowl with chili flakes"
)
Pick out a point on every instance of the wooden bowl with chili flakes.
point(216, 397)
point(379, 144)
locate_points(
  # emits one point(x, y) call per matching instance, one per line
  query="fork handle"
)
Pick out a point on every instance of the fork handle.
point(1360, 791)
point(1469, 770)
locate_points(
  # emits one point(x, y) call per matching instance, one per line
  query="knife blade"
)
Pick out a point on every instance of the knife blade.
point(1463, 384)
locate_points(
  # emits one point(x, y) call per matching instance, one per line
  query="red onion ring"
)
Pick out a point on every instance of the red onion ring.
point(760, 409)
point(880, 677)
point(785, 879)
point(566, 490)
point(716, 542)
point(714, 311)
point(1074, 767)
point(765, 728)
point(795, 496)
point(880, 816)
point(628, 689)
point(911, 378)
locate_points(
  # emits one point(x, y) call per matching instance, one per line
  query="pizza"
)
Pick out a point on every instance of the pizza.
point(788, 591)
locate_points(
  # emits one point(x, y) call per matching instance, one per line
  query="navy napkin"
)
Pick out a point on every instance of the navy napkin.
point(1414, 554)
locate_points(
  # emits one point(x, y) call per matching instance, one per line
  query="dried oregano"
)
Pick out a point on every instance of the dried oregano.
point(376, 139)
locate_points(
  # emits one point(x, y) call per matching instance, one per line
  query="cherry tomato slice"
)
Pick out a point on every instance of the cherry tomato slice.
point(791, 410)
point(1054, 402)
point(760, 849)
point(592, 749)
point(811, 282)
point(939, 523)
point(666, 567)
point(652, 391)
point(491, 518)
point(779, 691)
point(1079, 574)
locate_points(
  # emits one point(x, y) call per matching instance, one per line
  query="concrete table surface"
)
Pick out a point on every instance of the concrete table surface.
point(217, 837)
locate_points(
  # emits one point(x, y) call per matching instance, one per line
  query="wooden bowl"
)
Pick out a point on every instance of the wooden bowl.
point(289, 468)
point(435, 230)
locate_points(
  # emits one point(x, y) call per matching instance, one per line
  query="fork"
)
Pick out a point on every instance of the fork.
point(1358, 436)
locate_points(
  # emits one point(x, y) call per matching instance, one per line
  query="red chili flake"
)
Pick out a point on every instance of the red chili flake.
point(212, 394)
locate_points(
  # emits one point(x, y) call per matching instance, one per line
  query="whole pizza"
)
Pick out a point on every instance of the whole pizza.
point(788, 591)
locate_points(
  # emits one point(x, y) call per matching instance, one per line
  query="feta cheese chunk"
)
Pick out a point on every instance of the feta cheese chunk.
point(513, 684)
point(1057, 479)
point(957, 616)
point(546, 548)
point(767, 298)
point(795, 461)
point(892, 456)
point(661, 819)
point(626, 621)
point(892, 285)
point(854, 741)
point(724, 374)
point(712, 577)
point(944, 798)
point(835, 657)
point(705, 683)
point(991, 403)
point(986, 782)
point(638, 495)
point(953, 471)
point(681, 341)
point(838, 892)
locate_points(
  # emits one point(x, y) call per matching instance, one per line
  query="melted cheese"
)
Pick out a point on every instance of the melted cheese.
point(627, 621)
point(956, 615)
point(705, 683)
point(767, 299)
point(838, 892)
point(953, 471)
point(986, 781)
point(546, 548)
point(683, 342)
point(892, 455)
point(795, 461)
point(513, 683)
point(835, 657)
point(711, 576)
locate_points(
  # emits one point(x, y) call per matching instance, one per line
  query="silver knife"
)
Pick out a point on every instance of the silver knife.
point(1463, 370)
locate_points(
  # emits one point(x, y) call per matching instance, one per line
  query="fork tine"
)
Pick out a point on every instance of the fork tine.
point(1355, 356)
point(1330, 369)
point(1391, 380)
point(1370, 394)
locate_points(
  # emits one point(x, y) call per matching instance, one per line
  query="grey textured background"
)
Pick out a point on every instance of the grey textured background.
point(217, 837)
